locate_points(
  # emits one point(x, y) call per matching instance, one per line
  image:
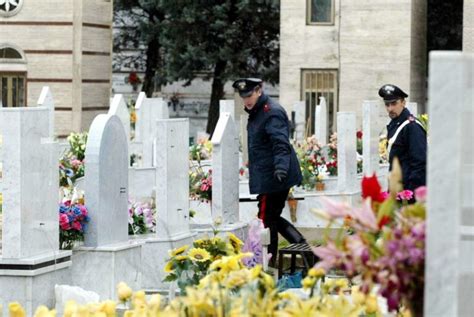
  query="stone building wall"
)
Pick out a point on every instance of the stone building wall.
point(371, 43)
point(67, 45)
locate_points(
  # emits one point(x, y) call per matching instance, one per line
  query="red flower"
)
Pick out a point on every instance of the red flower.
point(371, 188)
point(266, 108)
point(359, 134)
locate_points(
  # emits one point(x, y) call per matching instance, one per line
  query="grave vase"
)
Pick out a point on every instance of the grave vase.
point(320, 186)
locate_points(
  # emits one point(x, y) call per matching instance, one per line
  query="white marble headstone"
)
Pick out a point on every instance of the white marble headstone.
point(244, 137)
point(227, 106)
point(225, 170)
point(300, 120)
point(449, 273)
point(172, 178)
point(29, 183)
point(148, 110)
point(46, 100)
point(106, 182)
point(370, 137)
point(118, 107)
point(413, 108)
point(346, 152)
point(321, 124)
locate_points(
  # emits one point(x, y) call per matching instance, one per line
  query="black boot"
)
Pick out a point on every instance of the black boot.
point(289, 232)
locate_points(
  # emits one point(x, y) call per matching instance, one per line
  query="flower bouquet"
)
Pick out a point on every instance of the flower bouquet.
point(385, 247)
point(200, 184)
point(141, 217)
point(188, 267)
point(73, 219)
point(202, 150)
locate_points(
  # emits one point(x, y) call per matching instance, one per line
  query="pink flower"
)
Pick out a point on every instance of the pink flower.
point(76, 225)
point(405, 195)
point(365, 216)
point(64, 222)
point(421, 193)
point(335, 209)
point(76, 163)
point(330, 256)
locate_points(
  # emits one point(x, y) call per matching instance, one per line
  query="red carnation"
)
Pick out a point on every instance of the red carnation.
point(371, 188)
point(359, 134)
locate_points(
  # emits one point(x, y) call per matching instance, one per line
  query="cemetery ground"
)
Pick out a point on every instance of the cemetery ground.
point(149, 225)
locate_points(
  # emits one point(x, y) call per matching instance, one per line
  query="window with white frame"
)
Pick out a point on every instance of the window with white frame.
point(316, 84)
point(320, 12)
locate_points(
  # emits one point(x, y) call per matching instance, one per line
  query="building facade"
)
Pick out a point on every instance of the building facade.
point(65, 45)
point(346, 50)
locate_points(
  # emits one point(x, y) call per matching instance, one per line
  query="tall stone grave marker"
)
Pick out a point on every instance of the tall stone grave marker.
point(449, 274)
point(413, 108)
point(300, 120)
point(106, 181)
point(172, 168)
point(321, 124)
point(346, 152)
point(148, 110)
point(225, 170)
point(29, 183)
point(370, 137)
point(118, 107)
point(227, 106)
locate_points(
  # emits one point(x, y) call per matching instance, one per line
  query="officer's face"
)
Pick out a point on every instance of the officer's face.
point(395, 108)
point(250, 101)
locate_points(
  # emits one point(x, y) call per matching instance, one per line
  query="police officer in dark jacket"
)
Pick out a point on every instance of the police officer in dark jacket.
point(406, 138)
point(273, 165)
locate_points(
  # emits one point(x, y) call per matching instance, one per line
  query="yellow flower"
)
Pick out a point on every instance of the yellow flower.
point(169, 267)
point(255, 271)
point(70, 308)
point(133, 117)
point(155, 300)
point(124, 292)
point(310, 168)
point(138, 298)
point(235, 242)
point(15, 310)
point(181, 257)
point(371, 305)
point(308, 282)
point(358, 297)
point(108, 307)
point(43, 311)
point(199, 255)
point(237, 278)
point(313, 272)
point(178, 251)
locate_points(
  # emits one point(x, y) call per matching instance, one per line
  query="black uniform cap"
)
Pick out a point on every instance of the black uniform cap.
point(391, 93)
point(246, 86)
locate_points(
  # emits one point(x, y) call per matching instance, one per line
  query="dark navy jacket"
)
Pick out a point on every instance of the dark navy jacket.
point(269, 148)
point(410, 148)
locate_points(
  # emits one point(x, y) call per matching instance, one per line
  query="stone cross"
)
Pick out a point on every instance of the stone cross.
point(29, 183)
point(300, 120)
point(346, 152)
point(172, 178)
point(46, 100)
point(225, 170)
point(321, 124)
point(370, 137)
point(118, 107)
point(450, 208)
point(106, 181)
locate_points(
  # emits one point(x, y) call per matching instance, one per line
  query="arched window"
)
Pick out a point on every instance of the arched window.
point(12, 77)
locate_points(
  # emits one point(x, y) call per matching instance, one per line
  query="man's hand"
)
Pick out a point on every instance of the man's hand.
point(280, 175)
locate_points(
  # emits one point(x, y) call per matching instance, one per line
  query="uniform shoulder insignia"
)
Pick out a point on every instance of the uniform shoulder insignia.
point(266, 108)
